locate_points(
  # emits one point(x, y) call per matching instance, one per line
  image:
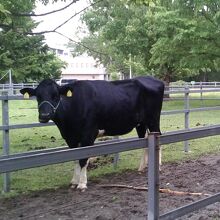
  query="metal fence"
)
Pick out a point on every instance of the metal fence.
point(25, 160)
point(59, 155)
point(6, 127)
point(154, 143)
point(13, 88)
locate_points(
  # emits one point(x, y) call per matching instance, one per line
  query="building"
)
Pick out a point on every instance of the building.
point(81, 67)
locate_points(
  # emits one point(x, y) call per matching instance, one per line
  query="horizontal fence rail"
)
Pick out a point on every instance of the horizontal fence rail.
point(60, 155)
point(44, 157)
point(51, 156)
point(191, 207)
point(189, 134)
point(13, 89)
point(18, 126)
point(31, 159)
point(6, 127)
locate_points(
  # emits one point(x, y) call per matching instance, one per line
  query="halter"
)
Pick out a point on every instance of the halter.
point(47, 102)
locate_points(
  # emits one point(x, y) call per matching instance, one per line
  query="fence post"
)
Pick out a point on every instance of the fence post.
point(201, 94)
point(116, 156)
point(186, 107)
point(153, 176)
point(5, 136)
point(11, 87)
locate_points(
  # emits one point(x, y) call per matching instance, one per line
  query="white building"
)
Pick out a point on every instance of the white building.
point(81, 67)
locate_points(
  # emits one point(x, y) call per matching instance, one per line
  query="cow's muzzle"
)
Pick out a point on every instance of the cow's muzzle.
point(44, 117)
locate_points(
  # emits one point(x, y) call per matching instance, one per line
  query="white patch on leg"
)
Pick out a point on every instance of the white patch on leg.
point(144, 160)
point(101, 133)
point(144, 157)
point(76, 174)
point(83, 178)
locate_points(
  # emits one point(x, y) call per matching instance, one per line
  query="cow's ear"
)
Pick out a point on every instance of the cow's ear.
point(66, 90)
point(27, 92)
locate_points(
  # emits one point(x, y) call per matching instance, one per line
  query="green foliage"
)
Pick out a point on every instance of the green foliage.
point(170, 39)
point(114, 29)
point(26, 54)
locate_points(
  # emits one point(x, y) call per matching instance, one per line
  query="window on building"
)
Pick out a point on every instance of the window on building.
point(60, 52)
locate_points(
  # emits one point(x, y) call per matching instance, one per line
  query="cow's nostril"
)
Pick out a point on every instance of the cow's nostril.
point(45, 114)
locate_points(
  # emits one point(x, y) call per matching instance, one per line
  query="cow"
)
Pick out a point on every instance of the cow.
point(83, 108)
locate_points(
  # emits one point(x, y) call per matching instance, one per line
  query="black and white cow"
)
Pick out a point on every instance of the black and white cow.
point(82, 108)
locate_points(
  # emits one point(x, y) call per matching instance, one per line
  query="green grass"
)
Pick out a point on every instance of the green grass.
point(55, 176)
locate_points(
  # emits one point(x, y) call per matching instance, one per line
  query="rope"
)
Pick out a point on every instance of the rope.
point(49, 103)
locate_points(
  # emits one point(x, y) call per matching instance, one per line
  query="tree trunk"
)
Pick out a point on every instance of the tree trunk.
point(167, 84)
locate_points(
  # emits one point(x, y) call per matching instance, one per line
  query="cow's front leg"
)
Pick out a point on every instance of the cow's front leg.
point(76, 175)
point(83, 174)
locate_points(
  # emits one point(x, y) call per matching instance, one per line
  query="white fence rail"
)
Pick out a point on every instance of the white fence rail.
point(13, 88)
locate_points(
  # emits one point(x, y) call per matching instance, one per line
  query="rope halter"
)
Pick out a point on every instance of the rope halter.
point(47, 102)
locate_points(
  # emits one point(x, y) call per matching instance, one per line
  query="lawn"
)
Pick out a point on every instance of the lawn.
point(54, 176)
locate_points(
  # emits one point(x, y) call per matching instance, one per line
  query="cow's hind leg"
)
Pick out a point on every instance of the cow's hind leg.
point(154, 127)
point(142, 132)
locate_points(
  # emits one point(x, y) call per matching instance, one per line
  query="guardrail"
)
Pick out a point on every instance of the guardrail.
point(45, 157)
point(6, 127)
point(154, 143)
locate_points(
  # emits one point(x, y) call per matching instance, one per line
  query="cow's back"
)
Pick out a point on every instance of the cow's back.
point(118, 106)
point(115, 106)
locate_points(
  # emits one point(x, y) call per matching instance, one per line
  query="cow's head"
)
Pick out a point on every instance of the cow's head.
point(48, 98)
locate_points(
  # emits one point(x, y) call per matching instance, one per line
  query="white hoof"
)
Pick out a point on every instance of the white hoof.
point(82, 187)
point(73, 186)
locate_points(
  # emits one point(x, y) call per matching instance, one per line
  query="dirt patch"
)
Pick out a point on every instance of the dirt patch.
point(97, 203)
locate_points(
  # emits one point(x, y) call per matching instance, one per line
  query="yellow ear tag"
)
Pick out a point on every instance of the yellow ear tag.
point(26, 95)
point(69, 94)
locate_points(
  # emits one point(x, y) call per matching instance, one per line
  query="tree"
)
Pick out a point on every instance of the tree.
point(170, 39)
point(27, 55)
point(188, 42)
point(116, 33)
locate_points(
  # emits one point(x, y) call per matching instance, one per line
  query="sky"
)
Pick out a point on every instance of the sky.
point(49, 22)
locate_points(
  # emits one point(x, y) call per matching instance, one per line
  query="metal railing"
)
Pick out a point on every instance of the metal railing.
point(9, 163)
point(6, 127)
point(13, 88)
point(153, 143)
